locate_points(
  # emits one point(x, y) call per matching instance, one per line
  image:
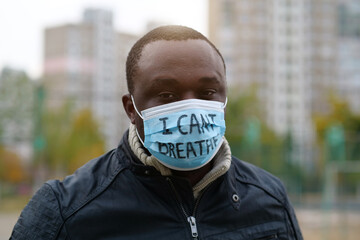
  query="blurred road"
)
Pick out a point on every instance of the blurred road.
point(7, 222)
point(317, 224)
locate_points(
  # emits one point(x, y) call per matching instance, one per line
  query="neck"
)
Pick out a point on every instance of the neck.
point(194, 176)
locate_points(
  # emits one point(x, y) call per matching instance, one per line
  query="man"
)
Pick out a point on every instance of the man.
point(172, 176)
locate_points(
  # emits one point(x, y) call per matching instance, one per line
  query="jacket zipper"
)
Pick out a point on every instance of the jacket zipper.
point(191, 219)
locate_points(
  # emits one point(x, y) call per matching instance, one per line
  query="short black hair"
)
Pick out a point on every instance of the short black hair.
point(168, 33)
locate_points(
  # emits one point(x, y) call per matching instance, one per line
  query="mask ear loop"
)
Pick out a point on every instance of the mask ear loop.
point(132, 99)
point(226, 100)
point(137, 133)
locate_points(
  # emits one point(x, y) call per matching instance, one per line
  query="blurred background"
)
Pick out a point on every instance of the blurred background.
point(293, 71)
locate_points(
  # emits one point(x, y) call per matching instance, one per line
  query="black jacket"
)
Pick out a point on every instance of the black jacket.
point(116, 197)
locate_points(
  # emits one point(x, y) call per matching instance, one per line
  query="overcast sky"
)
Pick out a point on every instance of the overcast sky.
point(22, 22)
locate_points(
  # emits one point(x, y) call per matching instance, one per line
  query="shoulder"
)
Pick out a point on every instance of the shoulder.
point(41, 218)
point(247, 173)
point(50, 207)
point(261, 187)
point(86, 183)
point(55, 201)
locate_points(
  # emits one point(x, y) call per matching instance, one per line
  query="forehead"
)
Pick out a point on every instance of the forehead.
point(184, 54)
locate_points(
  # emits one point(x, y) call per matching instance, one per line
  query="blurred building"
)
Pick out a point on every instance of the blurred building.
point(69, 64)
point(17, 101)
point(287, 48)
point(323, 50)
point(349, 52)
point(124, 42)
point(85, 63)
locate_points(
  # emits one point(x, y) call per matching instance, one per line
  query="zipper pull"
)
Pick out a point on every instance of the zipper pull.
point(193, 227)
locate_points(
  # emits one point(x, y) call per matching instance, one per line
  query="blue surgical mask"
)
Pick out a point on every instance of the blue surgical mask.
point(184, 135)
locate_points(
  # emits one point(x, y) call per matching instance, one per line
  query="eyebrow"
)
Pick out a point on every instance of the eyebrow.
point(164, 82)
point(209, 80)
point(173, 82)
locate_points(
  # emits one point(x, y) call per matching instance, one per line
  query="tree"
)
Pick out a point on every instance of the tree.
point(72, 138)
point(252, 140)
point(56, 125)
point(16, 109)
point(339, 124)
point(11, 168)
point(84, 142)
point(248, 134)
point(338, 136)
point(239, 110)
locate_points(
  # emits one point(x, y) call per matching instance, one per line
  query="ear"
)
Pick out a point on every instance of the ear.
point(129, 107)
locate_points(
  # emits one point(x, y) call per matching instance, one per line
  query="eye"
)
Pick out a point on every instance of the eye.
point(166, 95)
point(209, 92)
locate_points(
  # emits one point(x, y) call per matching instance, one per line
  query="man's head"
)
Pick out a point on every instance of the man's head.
point(167, 33)
point(170, 64)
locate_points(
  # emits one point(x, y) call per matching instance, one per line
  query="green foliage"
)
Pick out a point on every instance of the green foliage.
point(240, 108)
point(56, 129)
point(339, 114)
point(338, 137)
point(11, 168)
point(349, 183)
point(85, 141)
point(72, 139)
point(338, 129)
point(253, 141)
point(16, 98)
point(248, 134)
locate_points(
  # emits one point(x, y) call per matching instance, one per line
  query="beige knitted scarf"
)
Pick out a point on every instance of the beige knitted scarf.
point(222, 161)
